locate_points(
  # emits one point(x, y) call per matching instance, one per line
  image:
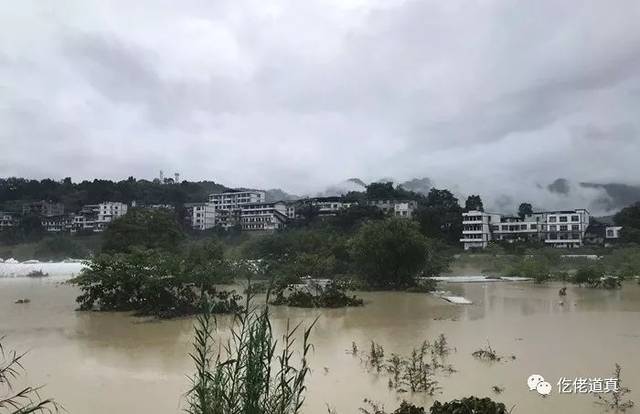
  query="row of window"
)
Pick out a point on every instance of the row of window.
point(563, 219)
point(564, 236)
point(564, 227)
point(257, 219)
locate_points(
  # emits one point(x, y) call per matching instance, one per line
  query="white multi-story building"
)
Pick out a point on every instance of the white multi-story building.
point(263, 216)
point(97, 217)
point(200, 216)
point(234, 200)
point(512, 228)
point(565, 228)
point(554, 228)
point(476, 228)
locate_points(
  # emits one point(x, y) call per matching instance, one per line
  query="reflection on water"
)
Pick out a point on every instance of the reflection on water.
point(105, 363)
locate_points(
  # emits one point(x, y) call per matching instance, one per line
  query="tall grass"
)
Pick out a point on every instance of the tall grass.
point(24, 400)
point(251, 373)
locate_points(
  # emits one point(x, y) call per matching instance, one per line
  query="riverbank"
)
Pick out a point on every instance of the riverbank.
point(111, 362)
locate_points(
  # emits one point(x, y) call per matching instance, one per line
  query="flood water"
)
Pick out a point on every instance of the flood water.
point(103, 363)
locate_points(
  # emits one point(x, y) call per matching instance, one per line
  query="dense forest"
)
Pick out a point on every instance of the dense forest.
point(16, 191)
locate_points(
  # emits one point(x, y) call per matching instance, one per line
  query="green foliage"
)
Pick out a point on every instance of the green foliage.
point(623, 262)
point(391, 253)
point(408, 408)
point(247, 374)
point(629, 219)
point(75, 195)
point(332, 296)
point(351, 218)
point(150, 229)
point(152, 282)
point(439, 217)
point(525, 209)
point(28, 229)
point(474, 202)
point(423, 285)
point(534, 267)
point(386, 191)
point(415, 372)
point(588, 275)
point(23, 400)
point(469, 405)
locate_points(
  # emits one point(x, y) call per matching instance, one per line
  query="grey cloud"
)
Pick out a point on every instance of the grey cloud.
point(560, 186)
point(485, 97)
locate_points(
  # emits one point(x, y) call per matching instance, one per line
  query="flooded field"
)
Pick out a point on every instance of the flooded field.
point(103, 363)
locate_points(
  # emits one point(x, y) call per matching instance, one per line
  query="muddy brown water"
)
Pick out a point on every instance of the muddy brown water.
point(104, 363)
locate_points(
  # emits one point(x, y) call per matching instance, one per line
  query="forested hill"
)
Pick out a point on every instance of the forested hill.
point(15, 191)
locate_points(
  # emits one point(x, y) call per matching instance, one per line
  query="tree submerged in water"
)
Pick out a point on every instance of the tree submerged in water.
point(25, 400)
point(331, 296)
point(157, 283)
point(247, 374)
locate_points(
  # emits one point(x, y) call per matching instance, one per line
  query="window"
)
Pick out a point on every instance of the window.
point(532, 226)
point(563, 219)
point(575, 236)
point(552, 219)
point(553, 236)
point(609, 233)
point(575, 227)
point(553, 227)
point(563, 228)
point(575, 218)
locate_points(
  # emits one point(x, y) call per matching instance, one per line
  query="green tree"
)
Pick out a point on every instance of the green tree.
point(629, 219)
point(390, 253)
point(589, 275)
point(352, 217)
point(156, 282)
point(150, 229)
point(474, 202)
point(381, 191)
point(525, 209)
point(440, 216)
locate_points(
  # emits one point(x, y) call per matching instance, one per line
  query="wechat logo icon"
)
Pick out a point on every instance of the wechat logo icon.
point(537, 382)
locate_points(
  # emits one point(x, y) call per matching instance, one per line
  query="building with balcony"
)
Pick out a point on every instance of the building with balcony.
point(263, 216)
point(234, 200)
point(565, 228)
point(554, 228)
point(476, 229)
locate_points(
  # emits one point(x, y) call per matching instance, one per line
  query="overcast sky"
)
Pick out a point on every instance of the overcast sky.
point(492, 97)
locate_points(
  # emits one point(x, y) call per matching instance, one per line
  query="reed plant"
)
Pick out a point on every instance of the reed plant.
point(251, 373)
